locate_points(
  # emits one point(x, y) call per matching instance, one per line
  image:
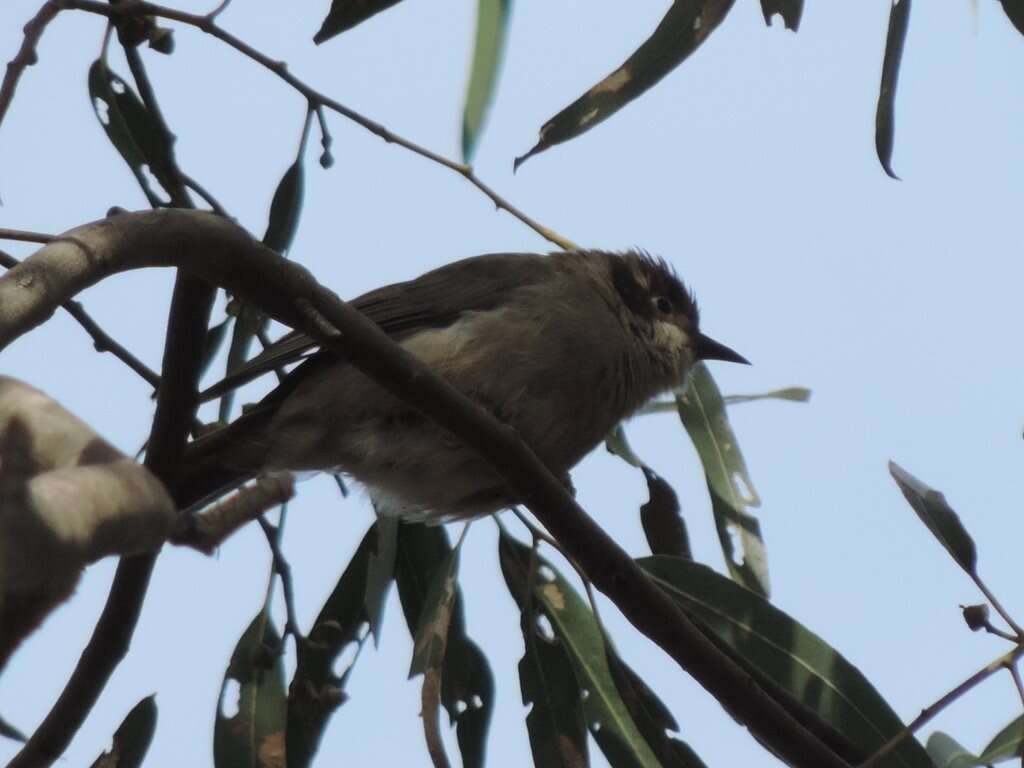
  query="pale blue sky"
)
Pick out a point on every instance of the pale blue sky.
point(751, 168)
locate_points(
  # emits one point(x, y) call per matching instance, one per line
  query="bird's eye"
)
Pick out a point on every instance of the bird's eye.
point(664, 305)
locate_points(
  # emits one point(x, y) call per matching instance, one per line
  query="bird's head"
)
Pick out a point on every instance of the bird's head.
point(663, 314)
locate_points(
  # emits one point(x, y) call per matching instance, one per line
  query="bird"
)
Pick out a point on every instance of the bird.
point(561, 347)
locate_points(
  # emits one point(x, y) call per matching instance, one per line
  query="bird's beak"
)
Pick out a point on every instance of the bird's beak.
point(707, 348)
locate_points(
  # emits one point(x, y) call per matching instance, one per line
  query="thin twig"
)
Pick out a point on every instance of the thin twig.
point(994, 602)
point(218, 10)
point(931, 711)
point(284, 571)
point(279, 68)
point(26, 55)
point(24, 236)
point(994, 630)
point(102, 341)
point(1015, 674)
point(200, 190)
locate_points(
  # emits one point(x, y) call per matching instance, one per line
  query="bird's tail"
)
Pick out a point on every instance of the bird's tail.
point(223, 459)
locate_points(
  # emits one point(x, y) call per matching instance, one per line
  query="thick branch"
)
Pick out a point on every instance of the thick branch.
point(224, 254)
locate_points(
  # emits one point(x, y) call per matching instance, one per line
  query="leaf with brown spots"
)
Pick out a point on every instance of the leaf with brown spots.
point(685, 26)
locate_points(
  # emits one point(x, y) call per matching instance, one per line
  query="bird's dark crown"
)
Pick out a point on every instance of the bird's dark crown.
point(639, 277)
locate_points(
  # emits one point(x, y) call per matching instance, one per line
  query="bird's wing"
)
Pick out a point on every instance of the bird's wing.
point(433, 300)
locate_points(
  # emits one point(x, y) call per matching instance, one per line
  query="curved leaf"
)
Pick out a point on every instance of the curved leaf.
point(899, 17)
point(702, 411)
point(788, 654)
point(942, 521)
point(255, 735)
point(316, 691)
point(128, 125)
point(574, 625)
point(946, 752)
point(684, 27)
point(345, 14)
point(491, 31)
point(1005, 745)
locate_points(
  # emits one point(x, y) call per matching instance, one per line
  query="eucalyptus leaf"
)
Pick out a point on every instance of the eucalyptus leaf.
point(491, 32)
point(946, 752)
point(255, 734)
point(381, 572)
point(931, 506)
point(316, 690)
point(899, 19)
point(791, 656)
point(790, 10)
point(345, 14)
point(702, 411)
point(1005, 745)
point(9, 731)
point(686, 25)
point(574, 625)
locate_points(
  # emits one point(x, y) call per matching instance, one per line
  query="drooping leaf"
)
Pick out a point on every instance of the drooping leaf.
point(380, 573)
point(491, 31)
point(132, 738)
point(789, 10)
point(1005, 745)
point(702, 411)
point(899, 17)
point(558, 734)
point(9, 731)
point(255, 734)
point(282, 223)
point(575, 627)
point(345, 14)
point(788, 654)
point(467, 684)
point(128, 125)
point(946, 752)
point(316, 690)
point(930, 505)
point(1014, 10)
point(651, 716)
point(663, 525)
point(684, 27)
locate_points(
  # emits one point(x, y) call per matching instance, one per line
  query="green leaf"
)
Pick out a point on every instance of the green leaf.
point(345, 14)
point(946, 752)
point(132, 738)
point(129, 126)
point(467, 685)
point(491, 31)
point(685, 26)
point(702, 411)
point(790, 10)
point(575, 627)
point(899, 18)
point(283, 221)
point(558, 734)
point(1006, 744)
point(214, 338)
point(930, 505)
point(255, 735)
point(316, 691)
point(1014, 10)
point(9, 731)
point(380, 573)
point(793, 394)
point(786, 653)
point(663, 525)
point(651, 715)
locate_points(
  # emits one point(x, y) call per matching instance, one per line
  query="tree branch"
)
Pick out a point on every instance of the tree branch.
point(26, 55)
point(224, 254)
point(316, 98)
